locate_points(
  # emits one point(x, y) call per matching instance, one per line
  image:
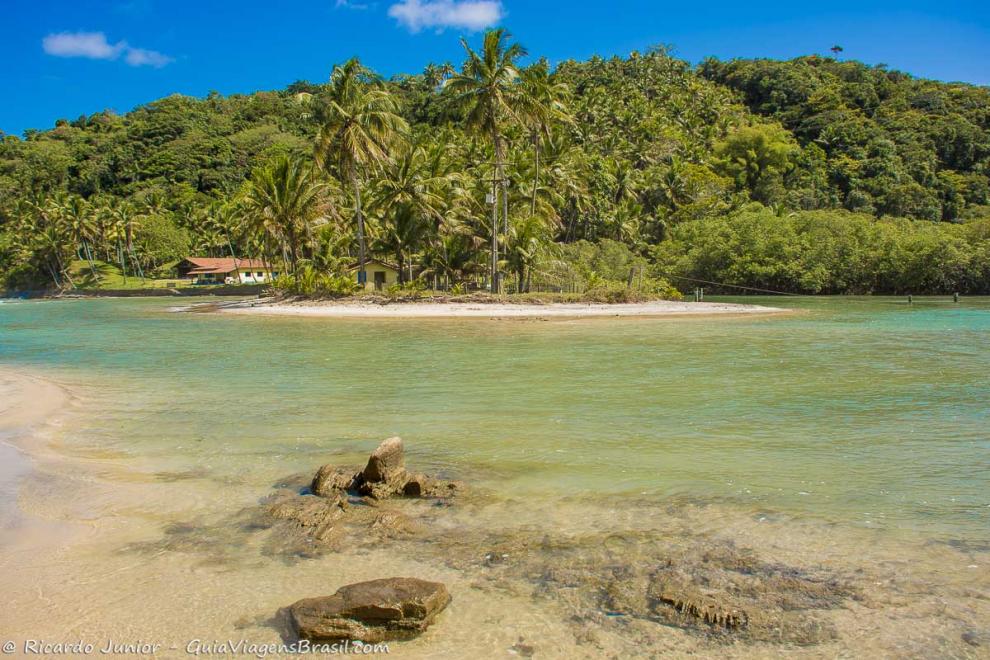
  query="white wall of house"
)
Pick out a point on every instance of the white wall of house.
point(256, 276)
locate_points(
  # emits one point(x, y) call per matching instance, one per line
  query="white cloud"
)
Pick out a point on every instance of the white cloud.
point(142, 57)
point(472, 15)
point(94, 46)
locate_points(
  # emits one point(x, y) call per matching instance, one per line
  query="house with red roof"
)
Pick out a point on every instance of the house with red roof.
point(226, 270)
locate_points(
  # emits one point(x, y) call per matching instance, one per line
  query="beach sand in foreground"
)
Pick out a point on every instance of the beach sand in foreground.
point(422, 310)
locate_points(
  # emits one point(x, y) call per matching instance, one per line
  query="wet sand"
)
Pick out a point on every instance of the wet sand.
point(25, 403)
point(130, 551)
point(426, 310)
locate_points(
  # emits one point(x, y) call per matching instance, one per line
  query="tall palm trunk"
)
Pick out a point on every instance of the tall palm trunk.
point(120, 257)
point(64, 270)
point(129, 243)
point(536, 175)
point(362, 251)
point(401, 258)
point(493, 285)
point(498, 183)
point(89, 258)
point(58, 283)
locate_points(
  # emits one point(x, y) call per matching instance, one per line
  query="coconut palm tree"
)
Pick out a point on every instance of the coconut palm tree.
point(361, 127)
point(530, 238)
point(281, 202)
point(488, 92)
point(79, 218)
point(410, 199)
point(53, 238)
point(126, 219)
point(546, 105)
point(453, 257)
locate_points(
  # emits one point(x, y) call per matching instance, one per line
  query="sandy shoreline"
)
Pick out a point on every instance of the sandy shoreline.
point(27, 403)
point(426, 310)
point(26, 400)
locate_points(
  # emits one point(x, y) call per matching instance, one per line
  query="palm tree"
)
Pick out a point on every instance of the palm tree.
point(53, 238)
point(434, 75)
point(487, 91)
point(126, 220)
point(361, 127)
point(531, 238)
point(281, 203)
point(409, 196)
point(454, 256)
point(546, 105)
point(79, 218)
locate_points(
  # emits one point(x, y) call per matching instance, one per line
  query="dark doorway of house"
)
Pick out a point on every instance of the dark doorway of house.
point(379, 281)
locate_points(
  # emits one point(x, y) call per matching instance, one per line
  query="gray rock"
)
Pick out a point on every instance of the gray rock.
point(372, 612)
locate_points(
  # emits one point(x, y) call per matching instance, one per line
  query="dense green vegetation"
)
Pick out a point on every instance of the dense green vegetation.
point(812, 175)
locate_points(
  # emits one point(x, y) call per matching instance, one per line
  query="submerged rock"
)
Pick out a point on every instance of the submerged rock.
point(688, 600)
point(372, 612)
point(316, 516)
point(977, 637)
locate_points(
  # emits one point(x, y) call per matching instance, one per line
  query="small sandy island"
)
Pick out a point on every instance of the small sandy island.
point(493, 310)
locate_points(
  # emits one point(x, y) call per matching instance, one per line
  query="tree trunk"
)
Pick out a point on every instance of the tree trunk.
point(65, 271)
point(493, 284)
point(362, 251)
point(266, 258)
point(54, 275)
point(92, 262)
point(536, 175)
point(136, 264)
point(120, 257)
point(499, 179)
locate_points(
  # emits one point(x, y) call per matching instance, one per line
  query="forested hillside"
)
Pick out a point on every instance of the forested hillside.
point(762, 173)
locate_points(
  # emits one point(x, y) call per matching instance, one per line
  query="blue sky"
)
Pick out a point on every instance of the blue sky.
point(64, 58)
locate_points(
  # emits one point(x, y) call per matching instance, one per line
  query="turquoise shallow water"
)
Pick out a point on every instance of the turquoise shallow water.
point(865, 412)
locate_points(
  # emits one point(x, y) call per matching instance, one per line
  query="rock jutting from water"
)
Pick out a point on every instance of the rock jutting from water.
point(372, 612)
point(383, 477)
point(341, 502)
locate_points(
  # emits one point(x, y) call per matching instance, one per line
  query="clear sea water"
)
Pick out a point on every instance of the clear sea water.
point(863, 412)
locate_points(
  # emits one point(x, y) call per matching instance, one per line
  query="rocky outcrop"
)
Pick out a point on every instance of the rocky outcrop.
point(316, 517)
point(344, 505)
point(688, 600)
point(330, 481)
point(384, 476)
point(372, 612)
point(387, 463)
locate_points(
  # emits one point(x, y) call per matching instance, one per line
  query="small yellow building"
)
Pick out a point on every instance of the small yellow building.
point(381, 275)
